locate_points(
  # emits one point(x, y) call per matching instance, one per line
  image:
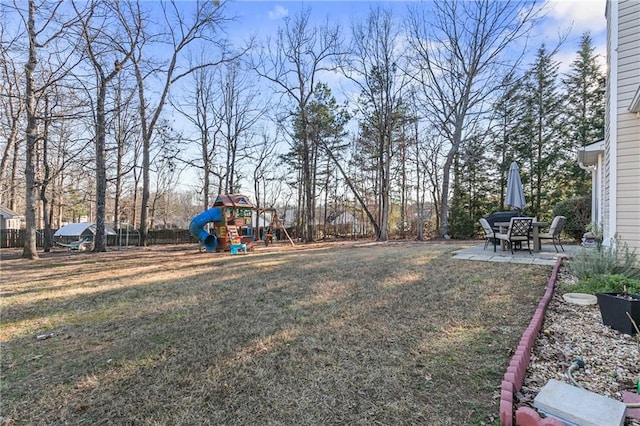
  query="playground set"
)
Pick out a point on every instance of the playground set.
point(230, 225)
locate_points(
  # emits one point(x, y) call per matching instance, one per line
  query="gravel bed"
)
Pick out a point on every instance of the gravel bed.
point(574, 331)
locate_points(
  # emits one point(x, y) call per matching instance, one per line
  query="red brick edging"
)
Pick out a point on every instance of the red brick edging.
point(516, 371)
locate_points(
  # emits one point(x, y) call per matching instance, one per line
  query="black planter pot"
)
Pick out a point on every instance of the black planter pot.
point(613, 309)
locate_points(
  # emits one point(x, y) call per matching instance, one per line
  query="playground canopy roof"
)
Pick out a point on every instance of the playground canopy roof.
point(233, 200)
point(85, 229)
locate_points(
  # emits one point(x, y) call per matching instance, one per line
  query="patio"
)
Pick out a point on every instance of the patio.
point(547, 256)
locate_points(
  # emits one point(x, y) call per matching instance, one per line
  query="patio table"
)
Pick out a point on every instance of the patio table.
point(535, 233)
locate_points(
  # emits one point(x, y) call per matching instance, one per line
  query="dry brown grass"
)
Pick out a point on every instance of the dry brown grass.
point(344, 334)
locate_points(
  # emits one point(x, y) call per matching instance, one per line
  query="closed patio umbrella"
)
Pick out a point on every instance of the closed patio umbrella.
point(515, 193)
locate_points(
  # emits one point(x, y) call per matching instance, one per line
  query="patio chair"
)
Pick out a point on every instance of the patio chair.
point(489, 233)
point(554, 231)
point(518, 232)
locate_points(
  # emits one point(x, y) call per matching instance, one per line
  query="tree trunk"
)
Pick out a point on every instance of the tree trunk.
point(307, 176)
point(419, 195)
point(444, 198)
point(12, 141)
point(30, 250)
point(46, 179)
point(385, 184)
point(120, 149)
point(12, 181)
point(100, 240)
point(144, 208)
point(207, 182)
point(146, 148)
point(403, 186)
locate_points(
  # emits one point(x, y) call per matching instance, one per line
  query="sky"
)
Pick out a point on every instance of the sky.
point(579, 17)
point(562, 16)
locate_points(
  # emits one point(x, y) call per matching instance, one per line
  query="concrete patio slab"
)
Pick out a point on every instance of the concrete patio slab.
point(547, 256)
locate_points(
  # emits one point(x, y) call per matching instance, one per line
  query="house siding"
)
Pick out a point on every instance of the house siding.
point(9, 219)
point(627, 150)
point(610, 113)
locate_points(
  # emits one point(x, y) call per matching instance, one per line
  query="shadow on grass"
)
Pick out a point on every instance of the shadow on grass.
point(361, 335)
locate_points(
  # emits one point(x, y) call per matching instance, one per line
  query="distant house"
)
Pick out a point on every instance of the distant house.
point(347, 222)
point(9, 219)
point(615, 162)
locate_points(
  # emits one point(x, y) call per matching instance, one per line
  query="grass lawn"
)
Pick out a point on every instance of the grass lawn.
point(395, 333)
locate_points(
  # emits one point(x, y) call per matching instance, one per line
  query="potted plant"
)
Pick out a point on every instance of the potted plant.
point(619, 307)
point(620, 311)
point(593, 236)
point(612, 274)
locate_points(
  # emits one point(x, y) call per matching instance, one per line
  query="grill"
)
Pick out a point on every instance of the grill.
point(501, 217)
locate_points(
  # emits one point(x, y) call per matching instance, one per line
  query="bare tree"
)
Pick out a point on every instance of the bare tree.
point(182, 32)
point(12, 105)
point(111, 32)
point(57, 150)
point(223, 105)
point(52, 30)
point(166, 175)
point(292, 63)
point(241, 110)
point(374, 63)
point(461, 48)
point(30, 249)
point(198, 106)
point(264, 156)
point(126, 130)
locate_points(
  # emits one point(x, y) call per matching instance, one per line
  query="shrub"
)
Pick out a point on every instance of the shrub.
point(577, 210)
point(616, 259)
point(607, 284)
point(461, 226)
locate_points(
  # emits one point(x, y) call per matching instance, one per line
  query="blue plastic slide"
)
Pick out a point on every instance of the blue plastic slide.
point(196, 227)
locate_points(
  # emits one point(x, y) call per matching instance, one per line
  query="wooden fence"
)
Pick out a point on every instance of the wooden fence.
point(15, 238)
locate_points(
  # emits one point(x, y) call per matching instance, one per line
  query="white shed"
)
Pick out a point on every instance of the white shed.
point(81, 230)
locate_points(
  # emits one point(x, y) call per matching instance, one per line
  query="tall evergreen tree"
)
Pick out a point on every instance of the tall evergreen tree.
point(472, 191)
point(540, 138)
point(508, 112)
point(585, 87)
point(325, 121)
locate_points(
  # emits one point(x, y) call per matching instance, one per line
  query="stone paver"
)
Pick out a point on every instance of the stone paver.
point(578, 406)
point(547, 256)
